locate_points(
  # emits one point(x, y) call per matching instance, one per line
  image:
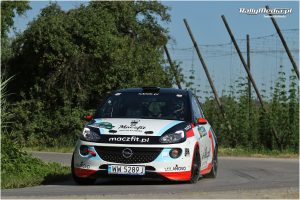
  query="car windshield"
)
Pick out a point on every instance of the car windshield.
point(169, 106)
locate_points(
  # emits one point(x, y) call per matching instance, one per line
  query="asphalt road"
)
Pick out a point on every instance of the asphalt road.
point(237, 178)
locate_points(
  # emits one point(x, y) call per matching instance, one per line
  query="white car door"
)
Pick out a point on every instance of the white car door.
point(201, 131)
point(206, 145)
point(205, 140)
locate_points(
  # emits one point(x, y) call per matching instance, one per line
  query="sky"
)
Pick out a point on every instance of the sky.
point(205, 21)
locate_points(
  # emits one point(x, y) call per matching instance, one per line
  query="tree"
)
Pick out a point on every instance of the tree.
point(76, 57)
point(8, 11)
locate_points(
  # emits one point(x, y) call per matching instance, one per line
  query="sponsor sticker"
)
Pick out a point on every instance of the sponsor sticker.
point(106, 125)
point(188, 127)
point(175, 169)
point(129, 139)
point(84, 165)
point(202, 131)
point(132, 127)
point(206, 153)
point(187, 152)
point(204, 163)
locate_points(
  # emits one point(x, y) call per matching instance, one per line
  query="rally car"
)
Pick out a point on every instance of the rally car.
point(146, 132)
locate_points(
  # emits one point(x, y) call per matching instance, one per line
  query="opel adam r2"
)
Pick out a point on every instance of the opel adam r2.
point(146, 132)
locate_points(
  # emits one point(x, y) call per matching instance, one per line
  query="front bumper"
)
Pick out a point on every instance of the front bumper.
point(155, 158)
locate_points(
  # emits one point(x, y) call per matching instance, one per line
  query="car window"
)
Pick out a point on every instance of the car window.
point(145, 105)
point(200, 107)
point(196, 110)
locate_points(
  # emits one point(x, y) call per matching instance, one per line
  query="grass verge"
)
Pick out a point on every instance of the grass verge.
point(36, 174)
point(240, 152)
point(19, 169)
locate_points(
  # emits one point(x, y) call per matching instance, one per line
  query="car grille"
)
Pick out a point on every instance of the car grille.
point(139, 155)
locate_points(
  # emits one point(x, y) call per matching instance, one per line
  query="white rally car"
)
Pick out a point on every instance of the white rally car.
point(146, 132)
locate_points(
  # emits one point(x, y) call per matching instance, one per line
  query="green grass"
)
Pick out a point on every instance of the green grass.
point(240, 152)
point(49, 173)
point(33, 173)
point(19, 169)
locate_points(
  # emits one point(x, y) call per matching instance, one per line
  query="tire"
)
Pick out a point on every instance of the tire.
point(214, 169)
point(80, 180)
point(195, 171)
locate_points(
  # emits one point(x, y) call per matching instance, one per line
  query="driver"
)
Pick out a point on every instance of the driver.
point(172, 110)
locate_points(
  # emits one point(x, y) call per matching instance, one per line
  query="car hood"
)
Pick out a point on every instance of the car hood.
point(130, 126)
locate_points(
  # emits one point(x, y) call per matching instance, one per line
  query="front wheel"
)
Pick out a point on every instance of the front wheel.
point(195, 167)
point(80, 180)
point(214, 169)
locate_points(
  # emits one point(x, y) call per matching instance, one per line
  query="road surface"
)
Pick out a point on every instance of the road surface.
point(237, 178)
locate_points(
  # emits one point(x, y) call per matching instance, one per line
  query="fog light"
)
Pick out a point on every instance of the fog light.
point(175, 153)
point(84, 150)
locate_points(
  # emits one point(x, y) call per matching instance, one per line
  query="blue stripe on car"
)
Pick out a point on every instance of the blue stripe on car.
point(97, 157)
point(168, 126)
point(164, 156)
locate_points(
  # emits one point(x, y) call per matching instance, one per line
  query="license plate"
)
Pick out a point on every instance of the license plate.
point(125, 169)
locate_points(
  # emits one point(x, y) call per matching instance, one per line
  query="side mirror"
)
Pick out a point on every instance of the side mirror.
point(88, 117)
point(201, 121)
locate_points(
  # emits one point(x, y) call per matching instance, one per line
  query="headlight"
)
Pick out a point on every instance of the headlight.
point(90, 135)
point(176, 137)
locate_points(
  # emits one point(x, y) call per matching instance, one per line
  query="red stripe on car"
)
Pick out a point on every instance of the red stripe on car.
point(84, 172)
point(190, 133)
point(212, 142)
point(207, 169)
point(179, 176)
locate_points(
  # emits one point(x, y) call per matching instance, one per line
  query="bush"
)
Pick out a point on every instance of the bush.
point(35, 125)
point(18, 169)
point(253, 130)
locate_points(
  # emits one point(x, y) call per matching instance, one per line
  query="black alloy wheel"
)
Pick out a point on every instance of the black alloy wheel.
point(214, 169)
point(195, 167)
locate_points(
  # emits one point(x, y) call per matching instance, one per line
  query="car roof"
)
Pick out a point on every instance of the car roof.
point(154, 89)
